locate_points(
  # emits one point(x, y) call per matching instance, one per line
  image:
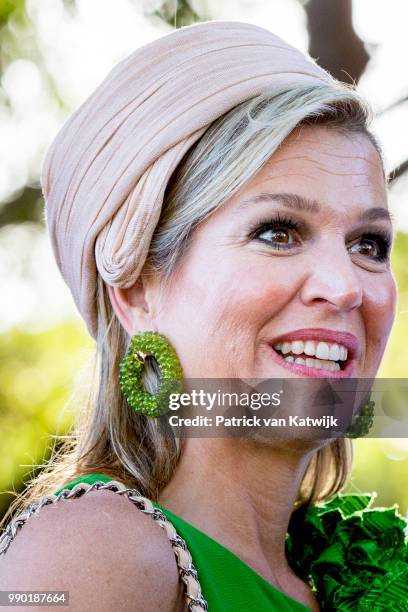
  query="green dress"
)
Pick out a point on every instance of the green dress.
point(228, 584)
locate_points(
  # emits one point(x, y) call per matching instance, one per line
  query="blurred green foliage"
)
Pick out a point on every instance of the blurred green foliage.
point(381, 466)
point(37, 371)
point(7, 7)
point(395, 361)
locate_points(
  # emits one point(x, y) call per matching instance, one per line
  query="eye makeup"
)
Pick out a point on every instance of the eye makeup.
point(300, 230)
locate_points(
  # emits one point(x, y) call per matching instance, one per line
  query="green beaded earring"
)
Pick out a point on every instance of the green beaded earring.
point(362, 423)
point(142, 345)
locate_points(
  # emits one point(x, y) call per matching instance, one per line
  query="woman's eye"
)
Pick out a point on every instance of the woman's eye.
point(277, 236)
point(374, 246)
point(366, 247)
point(278, 233)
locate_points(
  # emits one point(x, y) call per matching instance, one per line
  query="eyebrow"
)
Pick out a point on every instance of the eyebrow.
point(303, 204)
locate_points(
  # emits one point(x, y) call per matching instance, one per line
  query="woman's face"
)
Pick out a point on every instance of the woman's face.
point(289, 258)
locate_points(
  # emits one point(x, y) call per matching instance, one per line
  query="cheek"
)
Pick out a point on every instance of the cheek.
point(217, 313)
point(243, 296)
point(380, 309)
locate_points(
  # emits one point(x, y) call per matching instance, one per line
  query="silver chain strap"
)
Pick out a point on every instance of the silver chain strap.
point(187, 571)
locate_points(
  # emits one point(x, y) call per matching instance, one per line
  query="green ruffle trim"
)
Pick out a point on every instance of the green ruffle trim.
point(354, 557)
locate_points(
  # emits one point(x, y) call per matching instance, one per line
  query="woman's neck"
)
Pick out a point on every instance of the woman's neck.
point(241, 493)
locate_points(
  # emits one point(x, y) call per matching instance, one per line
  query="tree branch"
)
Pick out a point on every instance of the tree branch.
point(333, 41)
point(398, 171)
point(393, 105)
point(28, 206)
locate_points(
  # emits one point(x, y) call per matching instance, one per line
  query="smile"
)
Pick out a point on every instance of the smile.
point(321, 355)
point(314, 356)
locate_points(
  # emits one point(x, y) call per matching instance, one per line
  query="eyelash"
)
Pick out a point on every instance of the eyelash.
point(381, 238)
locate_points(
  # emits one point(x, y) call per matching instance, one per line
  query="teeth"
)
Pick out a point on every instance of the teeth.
point(310, 347)
point(321, 350)
point(312, 363)
point(332, 366)
point(286, 347)
point(319, 364)
point(334, 352)
point(297, 347)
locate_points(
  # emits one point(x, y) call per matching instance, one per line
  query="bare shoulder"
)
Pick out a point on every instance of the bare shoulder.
point(102, 549)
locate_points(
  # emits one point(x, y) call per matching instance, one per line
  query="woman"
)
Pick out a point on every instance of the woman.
point(223, 191)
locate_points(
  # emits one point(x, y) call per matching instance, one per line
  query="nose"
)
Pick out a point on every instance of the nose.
point(334, 281)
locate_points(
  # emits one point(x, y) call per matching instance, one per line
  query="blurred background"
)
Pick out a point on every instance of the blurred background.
point(53, 53)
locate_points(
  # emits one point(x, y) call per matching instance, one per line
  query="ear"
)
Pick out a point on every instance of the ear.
point(132, 307)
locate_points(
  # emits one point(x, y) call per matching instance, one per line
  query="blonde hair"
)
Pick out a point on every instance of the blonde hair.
point(110, 438)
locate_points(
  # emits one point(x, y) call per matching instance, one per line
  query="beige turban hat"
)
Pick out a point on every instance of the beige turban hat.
point(105, 174)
